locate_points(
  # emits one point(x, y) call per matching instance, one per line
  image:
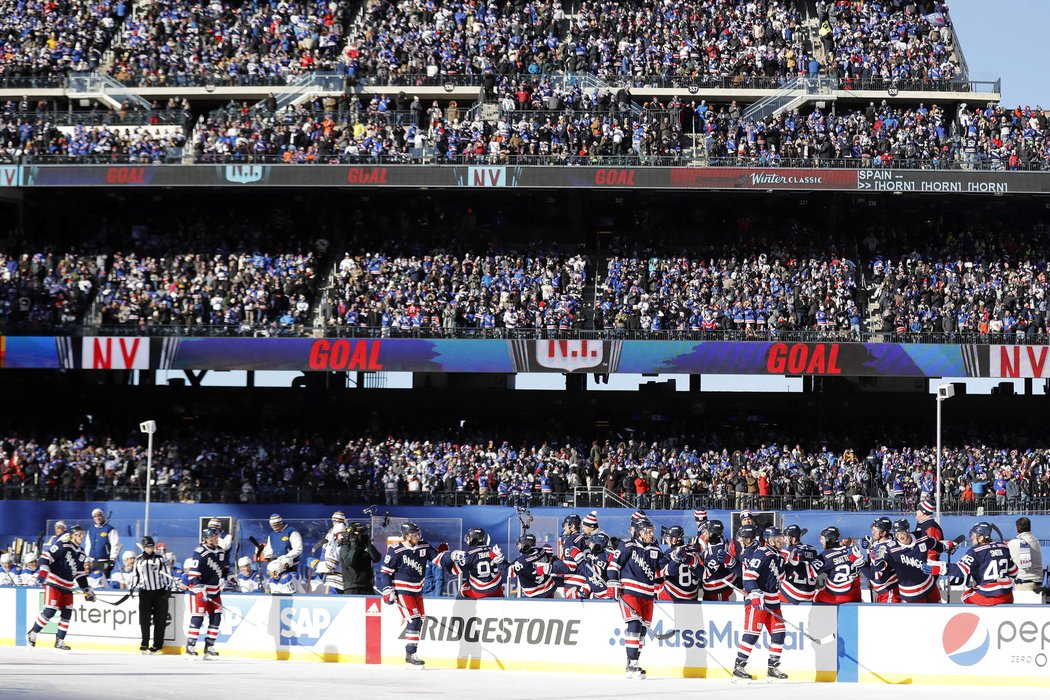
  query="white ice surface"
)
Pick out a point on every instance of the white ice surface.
point(89, 675)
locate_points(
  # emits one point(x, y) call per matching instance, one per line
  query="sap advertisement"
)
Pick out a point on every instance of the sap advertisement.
point(952, 644)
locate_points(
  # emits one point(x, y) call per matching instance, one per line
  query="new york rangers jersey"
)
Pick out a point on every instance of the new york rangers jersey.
point(883, 579)
point(763, 569)
point(906, 561)
point(987, 568)
point(482, 571)
point(843, 576)
point(405, 567)
point(574, 551)
point(208, 570)
point(63, 565)
point(719, 571)
point(538, 573)
point(799, 584)
point(682, 574)
point(593, 576)
point(635, 568)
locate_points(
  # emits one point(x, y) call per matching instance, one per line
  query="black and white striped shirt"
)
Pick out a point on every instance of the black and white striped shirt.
point(148, 574)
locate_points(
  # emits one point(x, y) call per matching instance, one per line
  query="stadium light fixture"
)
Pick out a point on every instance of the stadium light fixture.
point(149, 427)
point(944, 392)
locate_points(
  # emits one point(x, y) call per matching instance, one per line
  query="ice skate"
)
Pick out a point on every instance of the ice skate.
point(773, 673)
point(635, 672)
point(31, 638)
point(61, 644)
point(740, 673)
point(413, 661)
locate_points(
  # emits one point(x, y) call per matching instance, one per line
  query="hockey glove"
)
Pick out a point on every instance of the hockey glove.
point(496, 555)
point(935, 568)
point(459, 557)
point(878, 553)
point(388, 596)
point(757, 601)
point(542, 568)
point(443, 547)
point(865, 543)
point(89, 594)
point(948, 546)
point(856, 553)
point(615, 589)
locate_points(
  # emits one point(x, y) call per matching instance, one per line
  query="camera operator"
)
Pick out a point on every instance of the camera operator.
point(1024, 550)
point(357, 554)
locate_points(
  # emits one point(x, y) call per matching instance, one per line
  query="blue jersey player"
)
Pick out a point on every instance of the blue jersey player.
point(634, 572)
point(987, 569)
point(401, 579)
point(536, 569)
point(763, 571)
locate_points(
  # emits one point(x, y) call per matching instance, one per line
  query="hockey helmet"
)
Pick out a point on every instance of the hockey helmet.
point(409, 528)
point(598, 542)
point(475, 536)
point(572, 521)
point(882, 524)
point(526, 543)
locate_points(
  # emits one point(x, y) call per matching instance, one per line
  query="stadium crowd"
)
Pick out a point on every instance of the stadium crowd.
point(979, 282)
point(398, 130)
point(728, 469)
point(992, 137)
point(763, 38)
point(890, 40)
point(46, 288)
point(442, 291)
point(774, 292)
point(176, 43)
point(244, 287)
point(43, 40)
point(393, 38)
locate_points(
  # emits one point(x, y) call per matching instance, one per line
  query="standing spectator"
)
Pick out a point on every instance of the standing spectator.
point(1026, 553)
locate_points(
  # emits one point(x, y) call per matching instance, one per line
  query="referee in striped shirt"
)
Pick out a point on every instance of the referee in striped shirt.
point(152, 579)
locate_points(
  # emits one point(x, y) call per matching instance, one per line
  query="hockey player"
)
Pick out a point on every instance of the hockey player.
point(482, 566)
point(205, 573)
point(762, 574)
point(102, 542)
point(96, 577)
point(882, 579)
point(333, 580)
point(634, 573)
point(683, 571)
point(30, 571)
point(61, 566)
point(837, 568)
point(924, 522)
point(247, 579)
point(122, 579)
point(536, 569)
point(593, 570)
point(800, 580)
point(573, 548)
point(908, 559)
point(60, 531)
point(284, 541)
point(225, 539)
point(719, 577)
point(736, 550)
point(987, 570)
point(10, 575)
point(280, 581)
point(400, 581)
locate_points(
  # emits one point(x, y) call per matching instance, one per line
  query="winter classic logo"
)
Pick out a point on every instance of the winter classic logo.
point(965, 639)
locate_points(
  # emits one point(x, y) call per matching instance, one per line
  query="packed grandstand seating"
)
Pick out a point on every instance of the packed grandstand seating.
point(751, 295)
point(196, 42)
point(446, 292)
point(901, 41)
point(719, 469)
point(410, 42)
point(964, 281)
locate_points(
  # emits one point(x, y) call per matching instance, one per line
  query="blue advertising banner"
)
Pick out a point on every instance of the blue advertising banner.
point(510, 356)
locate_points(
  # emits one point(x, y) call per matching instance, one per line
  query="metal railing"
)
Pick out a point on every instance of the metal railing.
point(22, 82)
point(138, 117)
point(171, 156)
point(951, 503)
point(905, 85)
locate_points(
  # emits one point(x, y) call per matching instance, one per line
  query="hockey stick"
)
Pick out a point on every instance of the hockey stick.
point(957, 541)
point(816, 640)
point(524, 517)
point(648, 625)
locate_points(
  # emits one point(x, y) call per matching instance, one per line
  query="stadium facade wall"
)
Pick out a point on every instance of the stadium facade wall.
point(916, 644)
